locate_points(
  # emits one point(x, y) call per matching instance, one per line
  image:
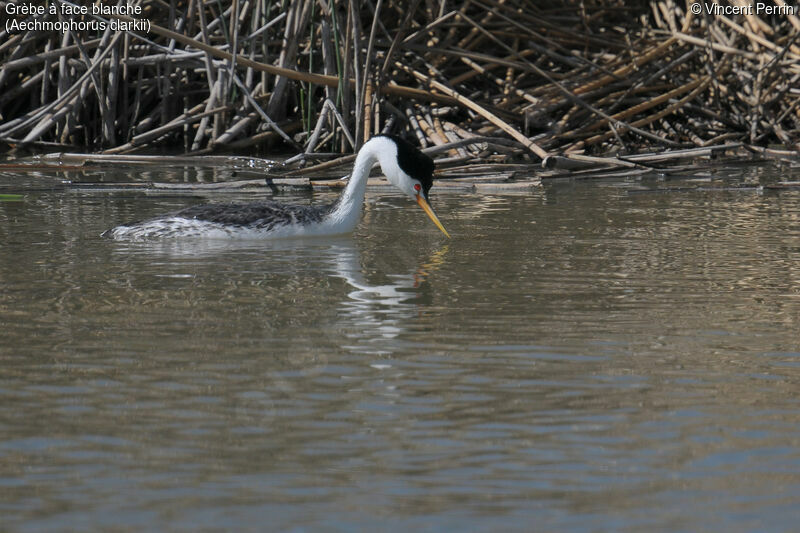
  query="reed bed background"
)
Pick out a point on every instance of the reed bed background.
point(477, 81)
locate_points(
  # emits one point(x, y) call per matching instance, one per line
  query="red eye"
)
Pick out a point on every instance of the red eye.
point(417, 187)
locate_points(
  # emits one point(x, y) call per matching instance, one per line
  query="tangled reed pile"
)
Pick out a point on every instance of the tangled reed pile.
point(482, 80)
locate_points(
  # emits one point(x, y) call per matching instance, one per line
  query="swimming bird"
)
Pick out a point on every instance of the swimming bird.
point(404, 166)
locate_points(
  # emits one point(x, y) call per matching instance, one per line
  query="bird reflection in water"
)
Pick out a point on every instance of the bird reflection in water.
point(401, 289)
point(379, 297)
point(374, 313)
point(302, 317)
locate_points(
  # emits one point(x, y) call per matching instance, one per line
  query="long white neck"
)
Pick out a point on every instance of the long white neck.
point(347, 211)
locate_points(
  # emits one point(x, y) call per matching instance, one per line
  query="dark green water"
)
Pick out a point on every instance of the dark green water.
point(581, 356)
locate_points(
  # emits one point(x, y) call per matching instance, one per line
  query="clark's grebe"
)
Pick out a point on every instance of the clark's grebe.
point(404, 166)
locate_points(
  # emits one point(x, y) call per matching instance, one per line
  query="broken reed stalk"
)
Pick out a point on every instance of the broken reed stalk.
point(549, 79)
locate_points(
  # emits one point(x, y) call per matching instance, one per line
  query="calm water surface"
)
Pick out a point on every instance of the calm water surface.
point(584, 356)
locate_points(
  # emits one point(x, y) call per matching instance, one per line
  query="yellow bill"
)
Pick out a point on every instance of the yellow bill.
point(428, 211)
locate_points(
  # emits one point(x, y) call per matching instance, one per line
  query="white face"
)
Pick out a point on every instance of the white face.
point(388, 161)
point(411, 186)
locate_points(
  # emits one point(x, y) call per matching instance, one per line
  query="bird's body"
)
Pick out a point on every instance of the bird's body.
point(404, 166)
point(254, 220)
